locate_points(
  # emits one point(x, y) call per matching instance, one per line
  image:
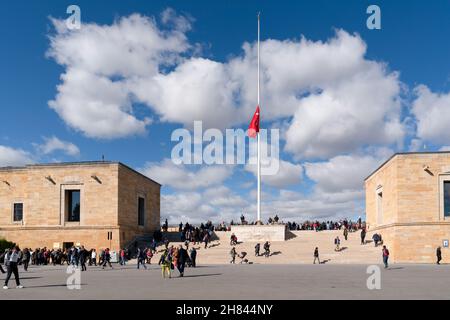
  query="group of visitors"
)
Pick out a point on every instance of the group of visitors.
point(177, 257)
point(202, 234)
point(327, 225)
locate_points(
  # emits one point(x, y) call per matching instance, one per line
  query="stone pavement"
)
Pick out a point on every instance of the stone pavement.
point(256, 281)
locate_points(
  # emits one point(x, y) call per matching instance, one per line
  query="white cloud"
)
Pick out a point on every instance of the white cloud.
point(416, 145)
point(14, 157)
point(432, 111)
point(180, 177)
point(337, 99)
point(99, 60)
point(53, 144)
point(344, 172)
point(355, 103)
point(216, 204)
point(288, 174)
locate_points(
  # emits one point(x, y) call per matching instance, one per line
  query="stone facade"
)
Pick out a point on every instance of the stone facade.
point(259, 233)
point(405, 204)
point(109, 194)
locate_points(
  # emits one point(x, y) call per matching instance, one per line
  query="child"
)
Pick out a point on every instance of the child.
point(149, 256)
point(165, 265)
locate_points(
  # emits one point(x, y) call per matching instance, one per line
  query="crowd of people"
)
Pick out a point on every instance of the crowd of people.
point(173, 257)
point(177, 257)
point(327, 225)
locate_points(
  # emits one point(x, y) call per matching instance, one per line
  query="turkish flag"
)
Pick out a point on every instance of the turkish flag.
point(253, 128)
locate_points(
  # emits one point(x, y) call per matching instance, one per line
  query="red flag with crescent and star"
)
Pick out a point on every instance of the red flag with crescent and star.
point(253, 128)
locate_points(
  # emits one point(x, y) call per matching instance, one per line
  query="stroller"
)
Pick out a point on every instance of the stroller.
point(242, 256)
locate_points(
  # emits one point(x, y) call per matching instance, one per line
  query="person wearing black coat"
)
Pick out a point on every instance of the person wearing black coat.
point(2, 258)
point(193, 257)
point(182, 259)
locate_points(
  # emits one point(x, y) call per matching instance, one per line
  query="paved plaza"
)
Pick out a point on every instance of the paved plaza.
point(237, 282)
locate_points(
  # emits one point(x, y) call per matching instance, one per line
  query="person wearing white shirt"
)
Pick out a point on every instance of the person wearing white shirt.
point(11, 259)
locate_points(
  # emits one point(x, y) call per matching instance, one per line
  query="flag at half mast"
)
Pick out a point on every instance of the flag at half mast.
point(253, 131)
point(253, 128)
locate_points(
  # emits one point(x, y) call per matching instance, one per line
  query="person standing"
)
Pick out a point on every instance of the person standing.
point(257, 248)
point(233, 255)
point(165, 264)
point(206, 239)
point(267, 249)
point(363, 236)
point(182, 258)
point(82, 258)
point(385, 253)
point(337, 242)
point(11, 259)
point(438, 255)
point(193, 257)
point(93, 257)
point(345, 233)
point(149, 255)
point(316, 255)
point(26, 258)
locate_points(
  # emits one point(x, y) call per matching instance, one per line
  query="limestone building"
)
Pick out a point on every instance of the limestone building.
point(408, 203)
point(95, 204)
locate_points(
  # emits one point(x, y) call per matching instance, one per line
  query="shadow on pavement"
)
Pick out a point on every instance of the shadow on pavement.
point(203, 275)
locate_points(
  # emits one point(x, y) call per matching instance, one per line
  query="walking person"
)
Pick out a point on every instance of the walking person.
point(438, 255)
point(11, 259)
point(106, 259)
point(141, 258)
point(2, 258)
point(385, 253)
point(316, 255)
point(345, 234)
point(233, 255)
point(363, 236)
point(165, 264)
point(257, 248)
point(206, 239)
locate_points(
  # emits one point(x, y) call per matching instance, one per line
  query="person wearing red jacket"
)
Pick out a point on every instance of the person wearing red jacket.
point(385, 252)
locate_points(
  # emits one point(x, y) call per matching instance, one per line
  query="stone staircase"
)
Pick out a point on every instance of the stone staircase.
point(297, 250)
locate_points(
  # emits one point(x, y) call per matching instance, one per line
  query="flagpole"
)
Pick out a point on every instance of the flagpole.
point(258, 220)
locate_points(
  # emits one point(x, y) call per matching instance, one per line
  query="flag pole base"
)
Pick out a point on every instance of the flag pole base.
point(259, 223)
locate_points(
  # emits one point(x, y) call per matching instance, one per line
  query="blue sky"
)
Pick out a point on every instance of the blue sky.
point(344, 98)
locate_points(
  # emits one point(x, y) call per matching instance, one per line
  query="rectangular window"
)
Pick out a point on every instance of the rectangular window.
point(18, 212)
point(446, 198)
point(380, 207)
point(141, 211)
point(73, 205)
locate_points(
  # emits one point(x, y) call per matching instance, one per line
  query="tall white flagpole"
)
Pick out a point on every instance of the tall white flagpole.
point(259, 148)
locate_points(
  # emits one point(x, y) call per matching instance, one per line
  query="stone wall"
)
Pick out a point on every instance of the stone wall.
point(413, 223)
point(259, 233)
point(131, 187)
point(385, 181)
